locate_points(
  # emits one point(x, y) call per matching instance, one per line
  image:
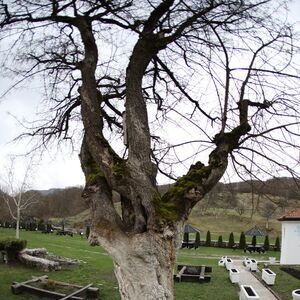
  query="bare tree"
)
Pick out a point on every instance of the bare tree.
point(208, 80)
point(267, 211)
point(17, 194)
point(240, 208)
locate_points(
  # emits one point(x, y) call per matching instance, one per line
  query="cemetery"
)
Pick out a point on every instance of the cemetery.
point(150, 117)
point(201, 269)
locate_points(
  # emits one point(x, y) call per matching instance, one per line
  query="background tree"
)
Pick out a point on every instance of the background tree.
point(223, 69)
point(253, 240)
point(242, 243)
point(240, 208)
point(87, 231)
point(220, 242)
point(41, 225)
point(18, 196)
point(277, 244)
point(208, 239)
point(231, 240)
point(186, 237)
point(267, 243)
point(197, 240)
point(267, 211)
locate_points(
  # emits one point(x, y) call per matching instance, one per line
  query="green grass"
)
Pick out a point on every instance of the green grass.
point(223, 222)
point(98, 268)
point(284, 282)
point(218, 252)
point(211, 290)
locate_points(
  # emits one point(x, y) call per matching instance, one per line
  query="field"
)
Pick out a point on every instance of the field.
point(98, 268)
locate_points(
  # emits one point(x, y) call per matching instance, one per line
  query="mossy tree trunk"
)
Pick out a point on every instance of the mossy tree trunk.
point(143, 238)
point(142, 241)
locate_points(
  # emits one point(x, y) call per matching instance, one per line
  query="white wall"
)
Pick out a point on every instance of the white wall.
point(290, 243)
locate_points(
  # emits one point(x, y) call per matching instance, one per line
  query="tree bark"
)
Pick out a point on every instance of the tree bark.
point(143, 263)
point(18, 223)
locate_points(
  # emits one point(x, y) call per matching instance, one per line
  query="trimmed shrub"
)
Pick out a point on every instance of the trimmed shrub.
point(254, 240)
point(32, 226)
point(7, 224)
point(267, 243)
point(242, 244)
point(87, 232)
point(231, 240)
point(277, 244)
point(208, 239)
point(220, 242)
point(12, 247)
point(2, 245)
point(197, 240)
point(41, 225)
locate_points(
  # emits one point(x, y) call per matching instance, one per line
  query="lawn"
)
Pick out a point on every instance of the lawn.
point(98, 268)
point(284, 283)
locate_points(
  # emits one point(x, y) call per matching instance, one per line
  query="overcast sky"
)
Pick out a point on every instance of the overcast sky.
point(58, 169)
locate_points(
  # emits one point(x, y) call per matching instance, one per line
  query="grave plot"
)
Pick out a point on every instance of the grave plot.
point(188, 273)
point(40, 259)
point(51, 289)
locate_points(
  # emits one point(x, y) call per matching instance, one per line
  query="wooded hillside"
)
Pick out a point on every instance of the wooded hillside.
point(240, 200)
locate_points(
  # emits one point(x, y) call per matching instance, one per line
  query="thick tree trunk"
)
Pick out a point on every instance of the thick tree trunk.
point(144, 264)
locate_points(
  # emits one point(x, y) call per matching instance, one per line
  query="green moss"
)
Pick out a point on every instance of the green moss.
point(119, 169)
point(165, 210)
point(170, 206)
point(191, 180)
point(94, 174)
point(102, 226)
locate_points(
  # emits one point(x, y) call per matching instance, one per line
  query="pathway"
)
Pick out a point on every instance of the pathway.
point(247, 278)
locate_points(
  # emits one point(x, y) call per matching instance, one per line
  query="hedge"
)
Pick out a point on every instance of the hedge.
point(12, 247)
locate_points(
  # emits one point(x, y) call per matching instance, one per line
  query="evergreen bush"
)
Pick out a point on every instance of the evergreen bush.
point(266, 243)
point(231, 240)
point(32, 226)
point(277, 244)
point(7, 224)
point(220, 242)
point(197, 240)
point(254, 240)
point(242, 244)
point(87, 232)
point(12, 247)
point(41, 225)
point(208, 239)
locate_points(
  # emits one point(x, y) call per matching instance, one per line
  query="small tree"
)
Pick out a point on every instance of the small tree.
point(17, 196)
point(267, 243)
point(41, 225)
point(267, 211)
point(277, 244)
point(231, 240)
point(220, 242)
point(254, 240)
point(242, 240)
point(186, 237)
point(208, 239)
point(197, 240)
point(87, 232)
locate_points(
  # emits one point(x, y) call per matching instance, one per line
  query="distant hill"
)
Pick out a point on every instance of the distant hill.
point(48, 192)
point(283, 187)
point(241, 200)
